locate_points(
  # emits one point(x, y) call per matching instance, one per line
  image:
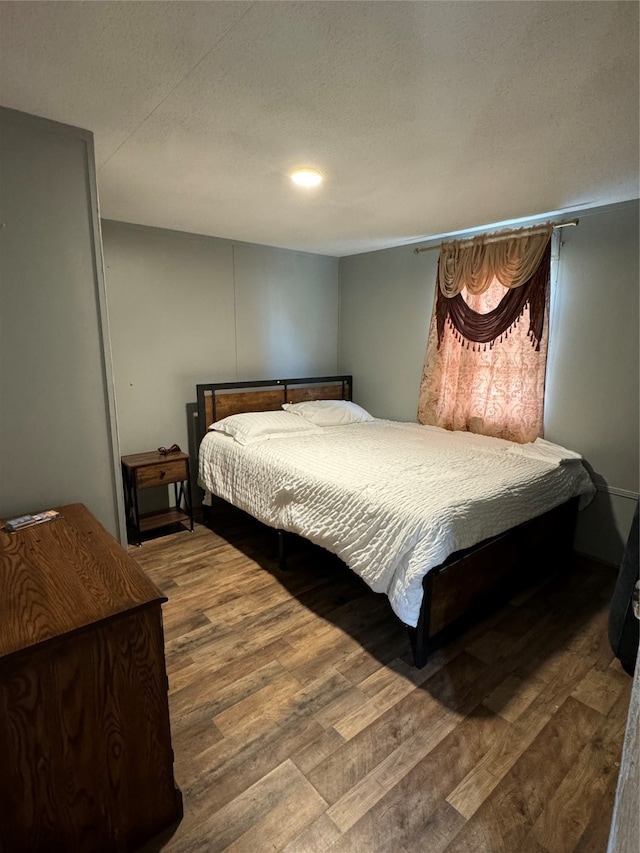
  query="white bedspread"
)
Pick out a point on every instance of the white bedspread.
point(392, 500)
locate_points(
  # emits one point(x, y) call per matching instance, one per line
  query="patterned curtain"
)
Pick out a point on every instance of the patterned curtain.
point(485, 364)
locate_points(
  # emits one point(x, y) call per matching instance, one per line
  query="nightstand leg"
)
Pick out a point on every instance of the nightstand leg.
point(136, 517)
point(187, 500)
point(184, 494)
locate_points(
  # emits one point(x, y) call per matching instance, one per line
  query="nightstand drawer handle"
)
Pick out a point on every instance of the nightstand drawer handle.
point(163, 474)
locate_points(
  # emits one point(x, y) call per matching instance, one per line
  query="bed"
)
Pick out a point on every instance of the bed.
point(445, 524)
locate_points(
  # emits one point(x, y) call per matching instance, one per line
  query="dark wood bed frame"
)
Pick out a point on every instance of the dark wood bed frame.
point(470, 583)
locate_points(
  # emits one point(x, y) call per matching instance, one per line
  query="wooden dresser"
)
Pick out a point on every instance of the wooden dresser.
point(85, 744)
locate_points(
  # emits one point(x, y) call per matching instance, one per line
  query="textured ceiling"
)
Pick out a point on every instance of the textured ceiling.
point(425, 117)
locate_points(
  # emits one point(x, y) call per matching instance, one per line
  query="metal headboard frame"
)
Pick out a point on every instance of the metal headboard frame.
point(202, 389)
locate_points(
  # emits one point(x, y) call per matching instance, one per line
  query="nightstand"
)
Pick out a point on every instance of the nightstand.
point(149, 470)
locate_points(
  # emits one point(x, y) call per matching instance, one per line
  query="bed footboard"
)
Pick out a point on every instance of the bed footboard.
point(474, 582)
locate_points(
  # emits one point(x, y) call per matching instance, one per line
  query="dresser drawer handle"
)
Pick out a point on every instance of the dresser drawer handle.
point(162, 474)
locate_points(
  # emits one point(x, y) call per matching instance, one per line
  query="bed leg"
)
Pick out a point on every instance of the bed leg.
point(419, 636)
point(419, 647)
point(282, 556)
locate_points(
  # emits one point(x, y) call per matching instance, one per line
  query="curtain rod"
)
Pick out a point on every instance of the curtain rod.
point(498, 235)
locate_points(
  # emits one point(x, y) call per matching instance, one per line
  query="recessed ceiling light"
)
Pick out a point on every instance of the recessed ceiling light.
point(306, 177)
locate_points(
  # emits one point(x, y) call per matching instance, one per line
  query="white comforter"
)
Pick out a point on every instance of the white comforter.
point(392, 500)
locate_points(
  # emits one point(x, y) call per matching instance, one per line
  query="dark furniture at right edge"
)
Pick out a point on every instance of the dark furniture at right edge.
point(624, 633)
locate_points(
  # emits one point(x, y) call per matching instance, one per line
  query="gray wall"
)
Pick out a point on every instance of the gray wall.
point(185, 309)
point(386, 299)
point(593, 374)
point(593, 370)
point(57, 429)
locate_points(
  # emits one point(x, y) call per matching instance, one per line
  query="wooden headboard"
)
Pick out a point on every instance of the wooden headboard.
point(217, 400)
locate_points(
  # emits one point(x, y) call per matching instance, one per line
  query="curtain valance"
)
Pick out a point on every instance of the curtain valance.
point(468, 325)
point(474, 264)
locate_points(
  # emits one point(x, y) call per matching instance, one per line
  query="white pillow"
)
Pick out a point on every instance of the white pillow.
point(250, 427)
point(326, 413)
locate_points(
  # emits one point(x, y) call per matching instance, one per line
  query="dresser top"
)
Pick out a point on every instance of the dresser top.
point(63, 575)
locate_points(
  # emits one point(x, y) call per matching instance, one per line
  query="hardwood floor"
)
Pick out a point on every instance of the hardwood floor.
point(300, 725)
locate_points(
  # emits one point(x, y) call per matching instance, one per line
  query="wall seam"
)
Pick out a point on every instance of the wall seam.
point(235, 313)
point(339, 364)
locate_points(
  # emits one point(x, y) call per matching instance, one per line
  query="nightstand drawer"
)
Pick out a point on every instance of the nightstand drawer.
point(158, 475)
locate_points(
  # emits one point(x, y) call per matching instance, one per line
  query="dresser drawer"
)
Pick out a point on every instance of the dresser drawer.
point(164, 472)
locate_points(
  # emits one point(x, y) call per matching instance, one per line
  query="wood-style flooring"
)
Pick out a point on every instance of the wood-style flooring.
point(300, 725)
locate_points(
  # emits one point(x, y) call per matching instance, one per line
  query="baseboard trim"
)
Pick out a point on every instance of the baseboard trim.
point(621, 493)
